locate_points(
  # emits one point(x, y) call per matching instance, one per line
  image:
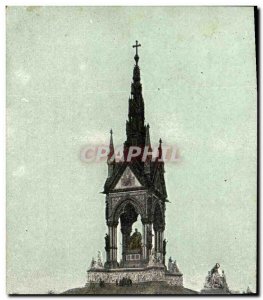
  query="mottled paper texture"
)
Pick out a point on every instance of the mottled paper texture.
point(69, 71)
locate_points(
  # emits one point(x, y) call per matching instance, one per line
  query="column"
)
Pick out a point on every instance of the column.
point(158, 241)
point(149, 237)
point(144, 242)
point(112, 228)
point(114, 245)
point(161, 243)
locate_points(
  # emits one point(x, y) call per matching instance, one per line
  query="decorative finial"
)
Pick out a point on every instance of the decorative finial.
point(111, 158)
point(136, 57)
point(160, 156)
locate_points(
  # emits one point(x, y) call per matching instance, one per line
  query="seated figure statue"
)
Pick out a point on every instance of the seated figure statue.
point(135, 241)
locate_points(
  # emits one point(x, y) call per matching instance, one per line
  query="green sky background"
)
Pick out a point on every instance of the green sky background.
point(69, 71)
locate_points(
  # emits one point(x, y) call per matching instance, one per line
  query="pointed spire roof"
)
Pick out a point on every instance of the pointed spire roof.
point(135, 128)
point(148, 171)
point(136, 85)
point(111, 149)
point(148, 141)
point(160, 151)
point(147, 137)
point(148, 148)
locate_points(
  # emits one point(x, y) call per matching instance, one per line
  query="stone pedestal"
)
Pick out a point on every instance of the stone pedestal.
point(137, 275)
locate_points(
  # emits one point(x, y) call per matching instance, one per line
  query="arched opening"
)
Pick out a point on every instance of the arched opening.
point(130, 236)
point(129, 240)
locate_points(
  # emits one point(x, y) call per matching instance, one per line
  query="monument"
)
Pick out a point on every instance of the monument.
point(215, 282)
point(135, 190)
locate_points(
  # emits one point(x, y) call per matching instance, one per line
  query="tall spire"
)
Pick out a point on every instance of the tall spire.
point(111, 148)
point(135, 128)
point(160, 156)
point(136, 87)
point(147, 137)
point(111, 158)
point(160, 151)
point(148, 148)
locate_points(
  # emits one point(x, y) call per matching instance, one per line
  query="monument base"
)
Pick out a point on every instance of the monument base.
point(136, 275)
point(215, 291)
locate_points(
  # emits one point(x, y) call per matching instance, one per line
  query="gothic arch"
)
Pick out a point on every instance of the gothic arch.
point(120, 209)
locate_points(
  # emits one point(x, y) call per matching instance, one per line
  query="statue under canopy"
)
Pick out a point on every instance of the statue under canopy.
point(135, 241)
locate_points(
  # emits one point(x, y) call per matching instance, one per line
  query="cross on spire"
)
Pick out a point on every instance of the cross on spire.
point(136, 46)
point(136, 57)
